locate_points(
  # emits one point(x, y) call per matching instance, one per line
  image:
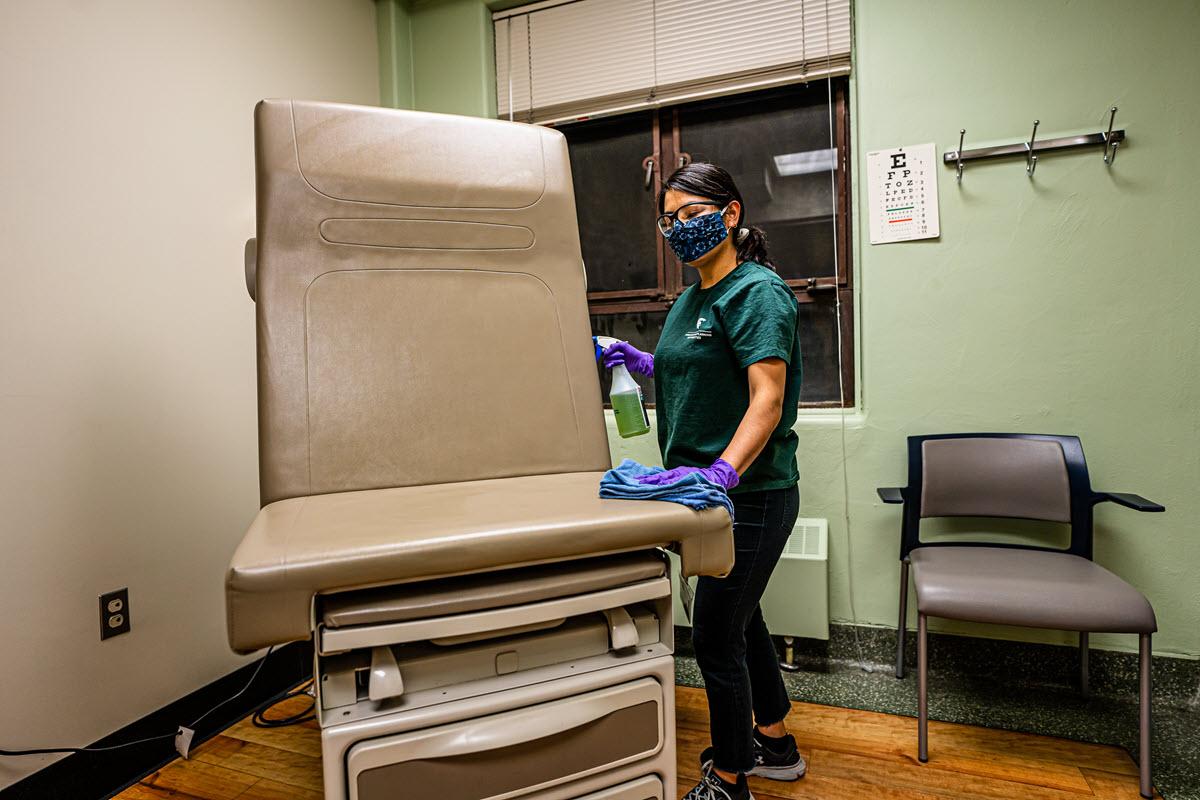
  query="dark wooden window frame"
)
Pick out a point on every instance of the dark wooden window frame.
point(669, 155)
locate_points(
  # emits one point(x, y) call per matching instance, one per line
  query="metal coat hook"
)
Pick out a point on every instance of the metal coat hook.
point(961, 134)
point(1030, 158)
point(1109, 159)
point(1030, 148)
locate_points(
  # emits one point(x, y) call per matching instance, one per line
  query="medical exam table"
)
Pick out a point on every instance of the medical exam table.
point(431, 440)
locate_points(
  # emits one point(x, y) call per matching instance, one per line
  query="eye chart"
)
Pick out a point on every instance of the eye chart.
point(902, 192)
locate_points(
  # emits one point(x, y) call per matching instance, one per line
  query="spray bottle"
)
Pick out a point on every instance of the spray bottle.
point(625, 395)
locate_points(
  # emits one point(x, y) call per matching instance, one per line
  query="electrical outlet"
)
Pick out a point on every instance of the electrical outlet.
point(114, 614)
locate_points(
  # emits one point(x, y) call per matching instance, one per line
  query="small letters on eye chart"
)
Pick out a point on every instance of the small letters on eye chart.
point(902, 193)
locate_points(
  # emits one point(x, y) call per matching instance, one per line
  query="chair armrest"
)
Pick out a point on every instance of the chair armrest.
point(895, 496)
point(1134, 501)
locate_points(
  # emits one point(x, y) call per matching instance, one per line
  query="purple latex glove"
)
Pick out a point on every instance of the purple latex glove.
point(630, 356)
point(721, 473)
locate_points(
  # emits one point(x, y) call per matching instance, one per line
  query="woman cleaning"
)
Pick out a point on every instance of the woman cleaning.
point(727, 376)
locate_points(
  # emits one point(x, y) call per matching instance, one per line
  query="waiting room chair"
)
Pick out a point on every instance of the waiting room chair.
point(1023, 476)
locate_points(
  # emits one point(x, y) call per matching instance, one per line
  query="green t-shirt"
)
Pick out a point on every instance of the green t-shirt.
point(709, 339)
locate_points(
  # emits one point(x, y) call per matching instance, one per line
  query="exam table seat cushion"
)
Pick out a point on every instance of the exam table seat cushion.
point(994, 584)
point(303, 546)
point(483, 591)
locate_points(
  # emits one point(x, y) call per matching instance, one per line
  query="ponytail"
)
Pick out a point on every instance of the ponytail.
point(751, 245)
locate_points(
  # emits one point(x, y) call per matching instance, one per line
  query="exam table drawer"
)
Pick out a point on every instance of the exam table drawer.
point(516, 753)
point(334, 640)
point(647, 788)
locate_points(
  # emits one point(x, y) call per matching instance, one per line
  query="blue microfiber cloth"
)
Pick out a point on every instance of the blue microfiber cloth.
point(692, 490)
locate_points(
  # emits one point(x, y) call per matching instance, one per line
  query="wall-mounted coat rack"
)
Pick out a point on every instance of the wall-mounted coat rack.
point(1111, 141)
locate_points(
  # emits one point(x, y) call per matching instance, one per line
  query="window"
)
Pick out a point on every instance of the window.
point(563, 60)
point(776, 144)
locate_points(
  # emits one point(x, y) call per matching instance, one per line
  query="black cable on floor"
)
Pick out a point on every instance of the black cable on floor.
point(261, 720)
point(44, 750)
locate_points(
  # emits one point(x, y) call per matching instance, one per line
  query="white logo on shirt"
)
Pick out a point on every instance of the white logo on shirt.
point(699, 333)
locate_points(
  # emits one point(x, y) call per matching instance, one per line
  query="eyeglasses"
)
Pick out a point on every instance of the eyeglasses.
point(666, 222)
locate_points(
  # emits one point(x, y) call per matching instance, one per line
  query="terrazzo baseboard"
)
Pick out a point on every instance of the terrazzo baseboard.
point(1111, 674)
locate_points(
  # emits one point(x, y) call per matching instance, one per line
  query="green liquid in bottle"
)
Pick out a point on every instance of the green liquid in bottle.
point(630, 414)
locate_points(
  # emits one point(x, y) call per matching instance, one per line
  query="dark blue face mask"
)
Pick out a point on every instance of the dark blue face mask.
point(692, 239)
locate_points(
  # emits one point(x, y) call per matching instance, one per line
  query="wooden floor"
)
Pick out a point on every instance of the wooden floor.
point(851, 754)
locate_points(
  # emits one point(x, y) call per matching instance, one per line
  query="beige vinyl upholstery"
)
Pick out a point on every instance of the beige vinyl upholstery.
point(422, 309)
point(303, 546)
point(429, 404)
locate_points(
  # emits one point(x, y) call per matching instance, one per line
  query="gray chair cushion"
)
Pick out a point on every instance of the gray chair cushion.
point(981, 477)
point(1030, 588)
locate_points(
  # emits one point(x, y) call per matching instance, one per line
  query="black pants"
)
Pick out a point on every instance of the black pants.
point(733, 648)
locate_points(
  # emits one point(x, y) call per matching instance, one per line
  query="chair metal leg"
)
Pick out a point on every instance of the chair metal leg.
point(1084, 689)
point(922, 693)
point(1144, 716)
point(902, 625)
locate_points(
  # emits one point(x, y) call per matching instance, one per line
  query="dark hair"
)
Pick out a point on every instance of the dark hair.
point(713, 183)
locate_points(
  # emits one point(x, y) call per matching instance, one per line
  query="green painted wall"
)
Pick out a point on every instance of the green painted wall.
point(1065, 304)
point(393, 24)
point(440, 53)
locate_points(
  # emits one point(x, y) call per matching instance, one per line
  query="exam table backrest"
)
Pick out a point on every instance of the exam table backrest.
point(421, 302)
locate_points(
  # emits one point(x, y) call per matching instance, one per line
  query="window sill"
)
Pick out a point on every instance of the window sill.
point(830, 418)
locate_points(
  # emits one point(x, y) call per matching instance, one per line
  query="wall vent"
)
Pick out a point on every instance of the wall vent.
point(796, 602)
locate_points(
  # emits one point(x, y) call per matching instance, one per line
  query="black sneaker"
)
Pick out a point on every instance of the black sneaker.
point(711, 787)
point(774, 759)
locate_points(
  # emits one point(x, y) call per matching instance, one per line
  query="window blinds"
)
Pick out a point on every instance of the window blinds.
point(559, 60)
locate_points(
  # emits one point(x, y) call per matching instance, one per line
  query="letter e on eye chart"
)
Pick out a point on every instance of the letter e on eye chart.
point(902, 194)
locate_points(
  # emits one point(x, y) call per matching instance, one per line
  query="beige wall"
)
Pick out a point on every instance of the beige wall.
point(127, 422)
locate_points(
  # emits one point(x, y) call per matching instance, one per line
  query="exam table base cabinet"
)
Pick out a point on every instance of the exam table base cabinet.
point(553, 708)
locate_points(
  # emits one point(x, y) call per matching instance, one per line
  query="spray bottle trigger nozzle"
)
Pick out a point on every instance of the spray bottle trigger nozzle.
point(602, 343)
